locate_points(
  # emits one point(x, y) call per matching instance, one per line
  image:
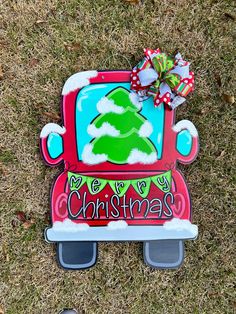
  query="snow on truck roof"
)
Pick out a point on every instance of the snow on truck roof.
point(78, 80)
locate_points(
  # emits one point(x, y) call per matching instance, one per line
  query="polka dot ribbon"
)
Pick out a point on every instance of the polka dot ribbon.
point(166, 78)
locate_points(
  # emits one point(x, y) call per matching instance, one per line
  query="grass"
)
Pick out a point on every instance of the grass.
point(111, 34)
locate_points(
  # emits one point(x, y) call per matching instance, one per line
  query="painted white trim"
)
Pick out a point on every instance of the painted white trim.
point(185, 125)
point(130, 233)
point(78, 80)
point(52, 128)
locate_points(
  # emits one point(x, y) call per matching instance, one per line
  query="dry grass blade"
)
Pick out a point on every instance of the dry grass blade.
point(133, 1)
point(2, 169)
point(40, 22)
point(221, 155)
point(1, 72)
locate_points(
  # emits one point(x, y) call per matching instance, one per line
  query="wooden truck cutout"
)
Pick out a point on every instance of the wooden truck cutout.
point(120, 181)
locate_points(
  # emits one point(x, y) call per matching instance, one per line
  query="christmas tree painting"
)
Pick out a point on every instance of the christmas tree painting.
point(120, 133)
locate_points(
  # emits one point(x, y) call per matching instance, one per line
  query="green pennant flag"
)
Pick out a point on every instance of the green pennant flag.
point(95, 185)
point(170, 63)
point(142, 186)
point(119, 187)
point(163, 181)
point(75, 181)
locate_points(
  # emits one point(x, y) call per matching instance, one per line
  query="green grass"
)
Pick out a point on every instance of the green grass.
point(112, 35)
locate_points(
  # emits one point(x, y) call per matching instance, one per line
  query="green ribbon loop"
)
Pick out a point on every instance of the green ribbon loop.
point(160, 63)
point(172, 79)
point(157, 84)
point(170, 63)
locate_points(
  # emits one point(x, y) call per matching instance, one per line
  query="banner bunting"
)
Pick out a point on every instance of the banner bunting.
point(119, 187)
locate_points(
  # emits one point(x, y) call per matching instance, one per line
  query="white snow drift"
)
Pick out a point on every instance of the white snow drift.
point(90, 158)
point(119, 224)
point(146, 129)
point(106, 105)
point(141, 157)
point(181, 225)
point(105, 129)
point(52, 128)
point(69, 226)
point(186, 125)
point(78, 80)
point(135, 100)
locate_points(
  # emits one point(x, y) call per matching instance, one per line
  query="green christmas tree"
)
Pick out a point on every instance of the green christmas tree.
point(120, 132)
